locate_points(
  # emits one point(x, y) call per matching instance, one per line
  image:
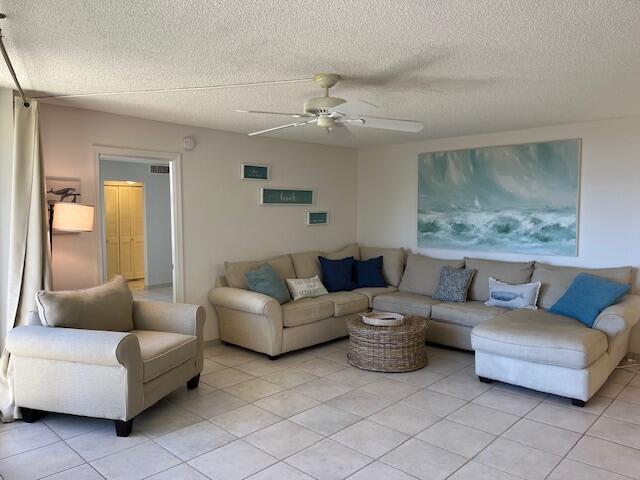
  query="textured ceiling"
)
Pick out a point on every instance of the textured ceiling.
point(461, 67)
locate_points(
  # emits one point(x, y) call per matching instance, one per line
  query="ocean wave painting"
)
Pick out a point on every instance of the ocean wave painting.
point(516, 198)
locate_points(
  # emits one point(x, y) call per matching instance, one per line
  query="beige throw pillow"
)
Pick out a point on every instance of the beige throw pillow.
point(306, 287)
point(106, 307)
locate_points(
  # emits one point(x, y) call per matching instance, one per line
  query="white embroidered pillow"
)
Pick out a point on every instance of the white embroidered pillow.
point(523, 296)
point(306, 287)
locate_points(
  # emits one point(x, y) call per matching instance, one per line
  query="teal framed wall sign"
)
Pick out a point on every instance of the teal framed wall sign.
point(255, 172)
point(317, 218)
point(286, 196)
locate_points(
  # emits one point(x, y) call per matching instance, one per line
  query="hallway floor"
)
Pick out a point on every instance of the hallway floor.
point(161, 293)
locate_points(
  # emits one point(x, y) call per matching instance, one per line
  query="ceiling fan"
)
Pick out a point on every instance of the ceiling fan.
point(328, 112)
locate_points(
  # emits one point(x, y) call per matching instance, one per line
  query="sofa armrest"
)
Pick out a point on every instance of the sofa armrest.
point(169, 317)
point(620, 317)
point(244, 301)
point(93, 347)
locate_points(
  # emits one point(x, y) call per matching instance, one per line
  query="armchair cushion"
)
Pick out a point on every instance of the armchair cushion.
point(105, 307)
point(162, 351)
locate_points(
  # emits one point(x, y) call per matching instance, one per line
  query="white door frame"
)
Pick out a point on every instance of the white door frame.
point(175, 181)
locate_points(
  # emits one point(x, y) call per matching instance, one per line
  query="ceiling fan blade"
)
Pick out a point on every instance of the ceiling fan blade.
point(261, 112)
point(289, 125)
point(408, 126)
point(354, 109)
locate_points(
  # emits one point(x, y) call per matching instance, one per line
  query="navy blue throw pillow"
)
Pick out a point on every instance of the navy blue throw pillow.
point(368, 273)
point(337, 275)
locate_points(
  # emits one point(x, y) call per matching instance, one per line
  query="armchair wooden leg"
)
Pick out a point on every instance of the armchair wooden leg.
point(193, 383)
point(29, 415)
point(123, 428)
point(578, 403)
point(485, 380)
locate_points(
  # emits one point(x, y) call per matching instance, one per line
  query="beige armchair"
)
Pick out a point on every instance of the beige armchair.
point(107, 374)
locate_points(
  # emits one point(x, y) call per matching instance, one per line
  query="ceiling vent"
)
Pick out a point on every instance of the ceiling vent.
point(159, 169)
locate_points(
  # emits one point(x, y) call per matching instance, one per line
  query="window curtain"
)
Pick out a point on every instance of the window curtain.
point(29, 251)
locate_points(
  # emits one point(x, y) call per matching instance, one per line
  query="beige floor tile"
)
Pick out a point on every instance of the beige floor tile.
point(635, 380)
point(322, 389)
point(280, 471)
point(283, 439)
point(67, 426)
point(404, 418)
point(617, 431)
point(100, 443)
point(507, 402)
point(237, 357)
point(483, 418)
point(325, 419)
point(20, 440)
point(135, 463)
point(596, 404)
point(433, 403)
point(289, 378)
point(339, 356)
point(245, 420)
point(184, 395)
point(445, 366)
point(621, 376)
point(608, 456)
point(328, 460)
point(360, 403)
point(542, 436)
point(162, 418)
point(179, 472)
point(210, 366)
point(81, 472)
point(390, 389)
point(253, 390)
point(527, 392)
point(570, 470)
point(611, 389)
point(261, 367)
point(370, 438)
point(562, 417)
point(214, 404)
point(321, 366)
point(234, 461)
point(517, 459)
point(5, 427)
point(189, 442)
point(621, 410)
point(477, 471)
point(40, 462)
point(380, 471)
point(451, 354)
point(421, 378)
point(459, 388)
point(218, 349)
point(456, 438)
point(630, 394)
point(423, 460)
point(225, 378)
point(467, 373)
point(287, 403)
point(353, 377)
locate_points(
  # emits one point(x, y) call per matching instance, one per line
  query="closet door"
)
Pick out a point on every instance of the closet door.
point(125, 230)
point(111, 230)
point(138, 232)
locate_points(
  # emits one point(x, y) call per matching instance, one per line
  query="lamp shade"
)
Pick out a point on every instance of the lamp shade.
point(72, 217)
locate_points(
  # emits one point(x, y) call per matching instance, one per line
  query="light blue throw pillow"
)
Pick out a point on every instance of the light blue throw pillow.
point(587, 296)
point(265, 280)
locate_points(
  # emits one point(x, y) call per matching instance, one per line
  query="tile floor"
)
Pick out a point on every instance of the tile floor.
point(309, 415)
point(162, 293)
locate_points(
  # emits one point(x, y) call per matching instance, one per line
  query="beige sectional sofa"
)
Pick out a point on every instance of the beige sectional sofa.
point(531, 348)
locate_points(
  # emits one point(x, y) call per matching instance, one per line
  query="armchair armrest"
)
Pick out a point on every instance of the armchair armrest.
point(244, 301)
point(620, 317)
point(169, 317)
point(93, 347)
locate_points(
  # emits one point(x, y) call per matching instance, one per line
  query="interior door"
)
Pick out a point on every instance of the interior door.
point(125, 231)
point(111, 230)
point(138, 232)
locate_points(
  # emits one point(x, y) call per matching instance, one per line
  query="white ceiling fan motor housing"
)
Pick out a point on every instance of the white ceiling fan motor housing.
point(322, 105)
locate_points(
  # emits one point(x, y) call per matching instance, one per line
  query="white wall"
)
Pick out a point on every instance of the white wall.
point(157, 217)
point(221, 213)
point(6, 160)
point(609, 199)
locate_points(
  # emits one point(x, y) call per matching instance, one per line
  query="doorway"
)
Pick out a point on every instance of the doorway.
point(138, 208)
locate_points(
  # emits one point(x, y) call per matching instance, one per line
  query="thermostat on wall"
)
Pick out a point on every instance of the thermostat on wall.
point(189, 143)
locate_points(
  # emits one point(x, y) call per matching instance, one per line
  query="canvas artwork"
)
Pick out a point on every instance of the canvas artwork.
point(515, 198)
point(60, 189)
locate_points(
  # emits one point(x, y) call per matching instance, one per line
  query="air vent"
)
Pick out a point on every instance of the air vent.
point(159, 169)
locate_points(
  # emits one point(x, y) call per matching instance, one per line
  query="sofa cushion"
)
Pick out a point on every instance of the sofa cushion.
point(468, 314)
point(266, 280)
point(555, 280)
point(422, 273)
point(307, 310)
point(351, 250)
point(540, 337)
point(162, 351)
point(347, 303)
point(235, 271)
point(306, 264)
point(514, 273)
point(306, 287)
point(372, 292)
point(405, 303)
point(392, 262)
point(337, 275)
point(454, 284)
point(105, 307)
point(368, 273)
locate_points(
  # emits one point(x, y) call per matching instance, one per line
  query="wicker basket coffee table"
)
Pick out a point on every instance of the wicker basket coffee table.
point(387, 349)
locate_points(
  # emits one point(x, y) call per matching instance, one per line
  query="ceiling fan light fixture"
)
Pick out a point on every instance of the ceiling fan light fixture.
point(325, 121)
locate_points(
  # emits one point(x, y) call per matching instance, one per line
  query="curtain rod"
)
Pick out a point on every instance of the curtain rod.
point(10, 67)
